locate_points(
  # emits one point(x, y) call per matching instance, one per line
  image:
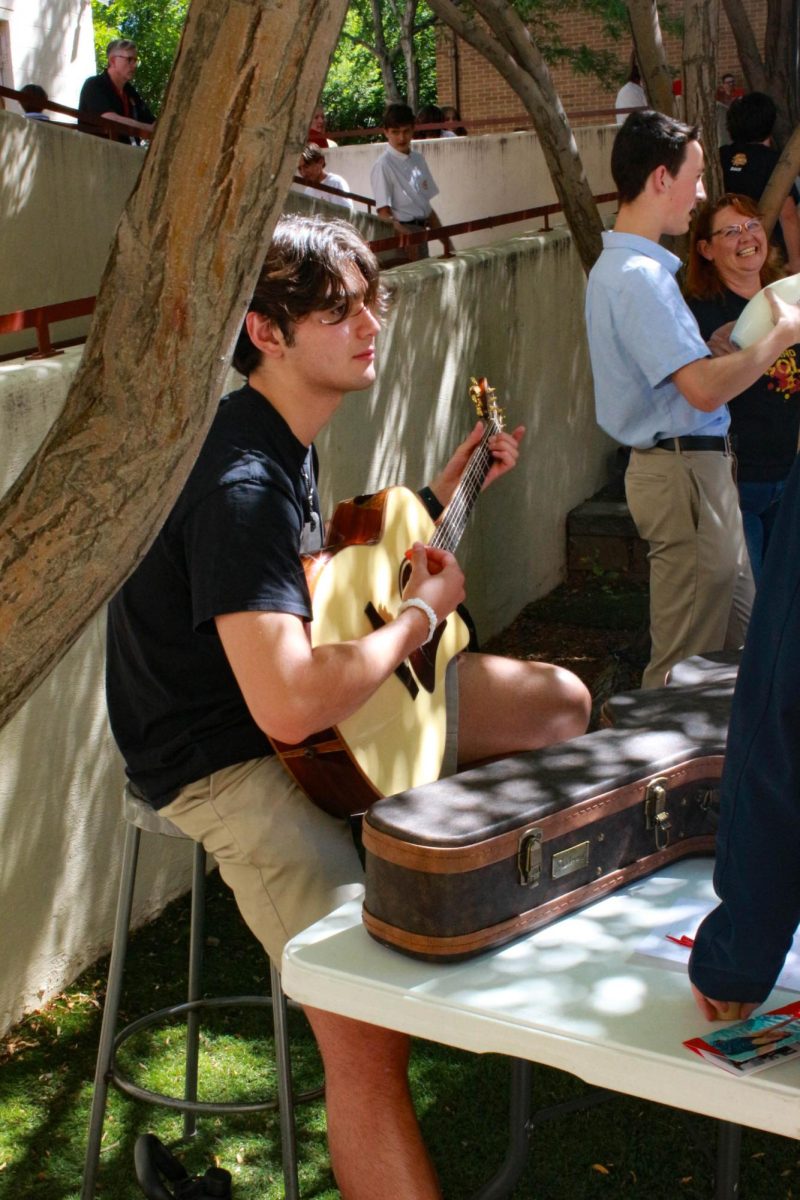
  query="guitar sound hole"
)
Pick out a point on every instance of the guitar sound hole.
point(403, 575)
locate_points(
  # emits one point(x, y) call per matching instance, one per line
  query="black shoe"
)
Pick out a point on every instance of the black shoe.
point(156, 1167)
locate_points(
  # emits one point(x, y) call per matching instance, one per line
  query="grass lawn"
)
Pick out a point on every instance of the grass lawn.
point(621, 1148)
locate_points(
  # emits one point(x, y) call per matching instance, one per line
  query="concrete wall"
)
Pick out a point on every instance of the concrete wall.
point(511, 312)
point(487, 175)
point(61, 195)
point(61, 777)
point(49, 42)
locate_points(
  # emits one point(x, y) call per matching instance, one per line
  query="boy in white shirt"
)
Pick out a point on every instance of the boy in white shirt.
point(311, 170)
point(402, 182)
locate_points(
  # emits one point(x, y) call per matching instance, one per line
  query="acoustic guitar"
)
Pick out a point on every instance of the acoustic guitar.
point(397, 739)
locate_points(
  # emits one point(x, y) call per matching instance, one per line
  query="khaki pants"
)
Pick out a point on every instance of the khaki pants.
point(287, 862)
point(685, 505)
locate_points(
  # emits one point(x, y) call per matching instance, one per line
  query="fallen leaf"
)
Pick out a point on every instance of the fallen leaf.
point(599, 1167)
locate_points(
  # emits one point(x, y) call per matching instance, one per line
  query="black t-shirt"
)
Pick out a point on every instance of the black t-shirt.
point(746, 167)
point(98, 95)
point(232, 543)
point(765, 418)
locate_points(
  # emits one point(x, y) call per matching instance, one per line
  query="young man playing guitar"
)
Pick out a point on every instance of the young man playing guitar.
point(209, 656)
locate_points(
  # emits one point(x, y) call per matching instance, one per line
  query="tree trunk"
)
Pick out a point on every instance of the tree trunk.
point(508, 46)
point(649, 45)
point(786, 170)
point(777, 76)
point(186, 255)
point(381, 52)
point(780, 63)
point(700, 25)
point(408, 20)
point(746, 46)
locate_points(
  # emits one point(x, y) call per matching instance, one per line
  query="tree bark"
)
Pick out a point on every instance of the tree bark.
point(506, 43)
point(407, 20)
point(777, 73)
point(786, 170)
point(186, 255)
point(780, 63)
point(746, 46)
point(649, 45)
point(700, 25)
point(383, 55)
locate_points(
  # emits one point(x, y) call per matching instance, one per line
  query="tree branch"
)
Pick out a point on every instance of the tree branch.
point(171, 300)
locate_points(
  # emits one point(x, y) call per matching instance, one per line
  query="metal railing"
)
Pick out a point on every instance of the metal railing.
point(110, 127)
point(331, 191)
point(403, 240)
point(40, 319)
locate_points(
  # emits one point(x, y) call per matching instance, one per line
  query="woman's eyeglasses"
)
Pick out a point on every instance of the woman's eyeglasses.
point(733, 231)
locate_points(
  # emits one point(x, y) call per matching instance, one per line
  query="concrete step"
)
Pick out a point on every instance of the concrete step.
point(602, 541)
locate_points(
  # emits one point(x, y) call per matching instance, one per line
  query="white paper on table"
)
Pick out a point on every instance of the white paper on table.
point(684, 919)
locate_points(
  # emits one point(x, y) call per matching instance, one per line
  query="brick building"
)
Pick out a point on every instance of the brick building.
point(467, 80)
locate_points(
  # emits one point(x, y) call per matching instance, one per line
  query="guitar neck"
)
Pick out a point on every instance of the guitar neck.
point(453, 522)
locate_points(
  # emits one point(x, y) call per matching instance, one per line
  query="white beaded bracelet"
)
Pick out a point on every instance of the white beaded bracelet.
point(433, 620)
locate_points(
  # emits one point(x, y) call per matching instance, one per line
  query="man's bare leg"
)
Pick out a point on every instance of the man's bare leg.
point(375, 1144)
point(506, 705)
point(376, 1148)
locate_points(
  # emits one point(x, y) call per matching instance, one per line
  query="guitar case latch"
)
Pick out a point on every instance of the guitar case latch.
point(529, 858)
point(656, 816)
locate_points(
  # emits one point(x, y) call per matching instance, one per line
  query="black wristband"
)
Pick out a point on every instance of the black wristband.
point(432, 503)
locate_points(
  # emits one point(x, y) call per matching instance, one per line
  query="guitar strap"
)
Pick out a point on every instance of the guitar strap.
point(311, 537)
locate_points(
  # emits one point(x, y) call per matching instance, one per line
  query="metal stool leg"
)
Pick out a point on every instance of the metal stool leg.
point(197, 928)
point(285, 1090)
point(110, 1009)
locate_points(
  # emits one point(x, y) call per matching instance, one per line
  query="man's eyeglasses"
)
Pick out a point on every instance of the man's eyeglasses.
point(127, 57)
point(733, 231)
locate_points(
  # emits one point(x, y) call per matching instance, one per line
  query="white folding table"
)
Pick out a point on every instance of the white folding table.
point(579, 995)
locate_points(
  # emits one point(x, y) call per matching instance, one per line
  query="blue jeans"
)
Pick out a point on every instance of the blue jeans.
point(759, 503)
point(740, 947)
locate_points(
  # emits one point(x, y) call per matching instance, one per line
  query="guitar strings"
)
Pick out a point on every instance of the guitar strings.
point(448, 532)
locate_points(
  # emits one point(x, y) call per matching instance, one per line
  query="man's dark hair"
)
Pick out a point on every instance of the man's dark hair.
point(427, 115)
point(395, 116)
point(645, 141)
point(312, 154)
point(33, 98)
point(308, 268)
point(751, 117)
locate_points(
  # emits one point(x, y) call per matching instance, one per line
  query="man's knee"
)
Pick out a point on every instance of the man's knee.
point(571, 705)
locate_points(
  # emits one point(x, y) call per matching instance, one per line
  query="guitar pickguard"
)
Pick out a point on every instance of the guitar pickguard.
point(398, 738)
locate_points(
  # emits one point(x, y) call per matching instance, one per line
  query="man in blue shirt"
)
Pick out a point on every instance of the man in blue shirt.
point(658, 390)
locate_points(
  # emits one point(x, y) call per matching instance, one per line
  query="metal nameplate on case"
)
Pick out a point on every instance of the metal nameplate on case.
point(569, 860)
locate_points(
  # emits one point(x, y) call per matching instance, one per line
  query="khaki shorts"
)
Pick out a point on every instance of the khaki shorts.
point(286, 861)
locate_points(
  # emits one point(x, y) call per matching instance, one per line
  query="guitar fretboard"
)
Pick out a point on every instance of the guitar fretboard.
point(451, 527)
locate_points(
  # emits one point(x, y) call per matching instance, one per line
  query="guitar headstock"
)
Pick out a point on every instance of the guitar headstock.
point(485, 400)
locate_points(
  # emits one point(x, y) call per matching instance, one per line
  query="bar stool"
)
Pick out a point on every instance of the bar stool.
point(140, 816)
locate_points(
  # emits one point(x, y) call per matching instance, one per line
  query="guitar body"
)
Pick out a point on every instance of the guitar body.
point(397, 740)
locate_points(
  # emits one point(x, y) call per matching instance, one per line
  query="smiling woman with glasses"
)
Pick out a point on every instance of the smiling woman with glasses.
point(730, 260)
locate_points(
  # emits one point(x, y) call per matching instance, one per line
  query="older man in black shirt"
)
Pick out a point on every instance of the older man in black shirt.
point(112, 94)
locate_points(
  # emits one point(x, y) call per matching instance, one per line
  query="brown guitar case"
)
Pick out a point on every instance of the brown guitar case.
point(474, 860)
